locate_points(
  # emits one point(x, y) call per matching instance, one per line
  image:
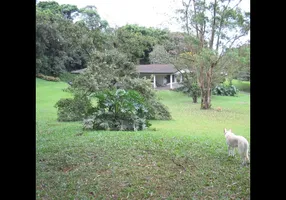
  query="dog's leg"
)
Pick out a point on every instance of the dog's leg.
point(233, 151)
point(244, 162)
point(229, 150)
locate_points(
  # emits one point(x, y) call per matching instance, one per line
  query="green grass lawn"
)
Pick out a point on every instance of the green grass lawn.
point(242, 85)
point(185, 158)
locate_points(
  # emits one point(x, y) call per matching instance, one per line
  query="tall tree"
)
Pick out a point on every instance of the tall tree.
point(217, 25)
point(179, 50)
point(62, 44)
point(50, 45)
point(69, 11)
point(137, 41)
point(236, 62)
point(92, 19)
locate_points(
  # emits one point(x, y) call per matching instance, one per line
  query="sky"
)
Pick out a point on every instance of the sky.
point(148, 13)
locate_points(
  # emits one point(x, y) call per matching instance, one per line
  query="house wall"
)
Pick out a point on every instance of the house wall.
point(146, 75)
point(162, 79)
point(159, 78)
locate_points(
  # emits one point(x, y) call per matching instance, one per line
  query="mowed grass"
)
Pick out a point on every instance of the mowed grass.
point(242, 85)
point(184, 158)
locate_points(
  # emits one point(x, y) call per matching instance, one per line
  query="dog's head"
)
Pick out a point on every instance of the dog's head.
point(226, 132)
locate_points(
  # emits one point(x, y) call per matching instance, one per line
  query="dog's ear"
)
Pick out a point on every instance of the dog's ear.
point(230, 130)
point(224, 130)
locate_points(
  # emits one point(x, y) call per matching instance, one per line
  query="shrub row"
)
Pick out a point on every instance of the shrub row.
point(48, 78)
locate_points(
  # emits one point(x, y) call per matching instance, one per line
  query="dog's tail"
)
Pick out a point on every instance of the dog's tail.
point(246, 153)
point(243, 150)
point(246, 156)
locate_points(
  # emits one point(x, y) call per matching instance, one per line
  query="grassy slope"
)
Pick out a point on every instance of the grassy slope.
point(184, 158)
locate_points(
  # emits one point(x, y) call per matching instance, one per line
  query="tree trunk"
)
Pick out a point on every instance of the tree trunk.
point(195, 99)
point(206, 89)
point(206, 99)
point(187, 16)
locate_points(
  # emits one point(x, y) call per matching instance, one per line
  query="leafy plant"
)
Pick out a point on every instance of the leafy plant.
point(75, 109)
point(157, 110)
point(225, 90)
point(119, 110)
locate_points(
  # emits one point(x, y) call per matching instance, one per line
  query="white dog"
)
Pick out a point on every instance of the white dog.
point(235, 141)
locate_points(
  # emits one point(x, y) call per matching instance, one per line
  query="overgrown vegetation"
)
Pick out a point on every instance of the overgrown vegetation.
point(225, 90)
point(74, 109)
point(120, 110)
point(109, 71)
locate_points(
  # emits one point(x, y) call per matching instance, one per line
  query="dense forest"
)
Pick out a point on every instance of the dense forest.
point(67, 35)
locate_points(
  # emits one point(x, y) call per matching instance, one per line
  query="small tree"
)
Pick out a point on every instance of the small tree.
point(181, 60)
point(111, 70)
point(217, 25)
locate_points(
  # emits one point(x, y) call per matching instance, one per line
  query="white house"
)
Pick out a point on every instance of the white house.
point(164, 75)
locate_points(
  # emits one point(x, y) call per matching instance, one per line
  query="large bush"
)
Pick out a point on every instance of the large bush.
point(157, 110)
point(111, 70)
point(225, 90)
point(118, 110)
point(74, 109)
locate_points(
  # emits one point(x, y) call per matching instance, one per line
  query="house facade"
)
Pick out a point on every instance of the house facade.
point(163, 75)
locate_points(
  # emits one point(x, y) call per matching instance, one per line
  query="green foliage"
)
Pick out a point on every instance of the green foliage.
point(157, 110)
point(137, 42)
point(104, 71)
point(63, 45)
point(50, 46)
point(225, 90)
point(67, 77)
point(74, 109)
point(92, 19)
point(215, 32)
point(236, 62)
point(111, 70)
point(118, 110)
point(191, 89)
point(50, 6)
point(159, 55)
point(69, 11)
point(242, 85)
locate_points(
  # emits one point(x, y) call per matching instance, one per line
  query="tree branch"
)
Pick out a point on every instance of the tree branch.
point(236, 4)
point(213, 25)
point(195, 10)
point(234, 39)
